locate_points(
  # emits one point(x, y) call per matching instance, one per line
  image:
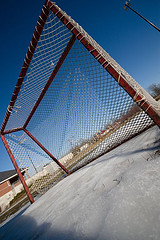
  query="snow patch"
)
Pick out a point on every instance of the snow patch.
point(115, 197)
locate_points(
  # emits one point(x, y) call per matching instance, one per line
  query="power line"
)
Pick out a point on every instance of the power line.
point(128, 5)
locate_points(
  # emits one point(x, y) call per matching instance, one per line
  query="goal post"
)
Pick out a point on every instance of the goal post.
point(72, 102)
point(17, 169)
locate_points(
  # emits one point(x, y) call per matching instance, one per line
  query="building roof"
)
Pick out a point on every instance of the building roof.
point(6, 175)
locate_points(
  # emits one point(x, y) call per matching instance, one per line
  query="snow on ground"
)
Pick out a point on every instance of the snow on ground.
point(115, 197)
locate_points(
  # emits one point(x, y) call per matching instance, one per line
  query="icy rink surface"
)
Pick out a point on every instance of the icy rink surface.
point(115, 197)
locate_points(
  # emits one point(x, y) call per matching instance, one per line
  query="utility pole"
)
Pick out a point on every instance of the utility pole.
point(128, 6)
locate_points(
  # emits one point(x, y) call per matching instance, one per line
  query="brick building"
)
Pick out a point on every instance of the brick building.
point(10, 185)
point(9, 180)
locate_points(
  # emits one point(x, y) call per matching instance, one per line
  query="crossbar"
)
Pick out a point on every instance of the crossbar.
point(99, 56)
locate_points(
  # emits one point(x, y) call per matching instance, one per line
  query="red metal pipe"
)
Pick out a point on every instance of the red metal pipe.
point(46, 151)
point(27, 60)
point(52, 76)
point(98, 56)
point(12, 130)
point(17, 169)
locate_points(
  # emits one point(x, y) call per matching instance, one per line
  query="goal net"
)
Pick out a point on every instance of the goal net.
point(72, 102)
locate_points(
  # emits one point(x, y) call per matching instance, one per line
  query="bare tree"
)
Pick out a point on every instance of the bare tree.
point(154, 89)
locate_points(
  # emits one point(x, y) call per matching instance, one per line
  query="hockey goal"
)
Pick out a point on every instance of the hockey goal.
point(72, 103)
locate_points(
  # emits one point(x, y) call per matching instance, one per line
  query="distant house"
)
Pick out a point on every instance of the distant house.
point(10, 185)
point(9, 180)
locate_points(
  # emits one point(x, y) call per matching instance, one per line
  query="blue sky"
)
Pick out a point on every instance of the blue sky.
point(128, 39)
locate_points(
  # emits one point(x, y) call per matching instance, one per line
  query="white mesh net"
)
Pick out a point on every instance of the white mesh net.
point(84, 113)
point(51, 45)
